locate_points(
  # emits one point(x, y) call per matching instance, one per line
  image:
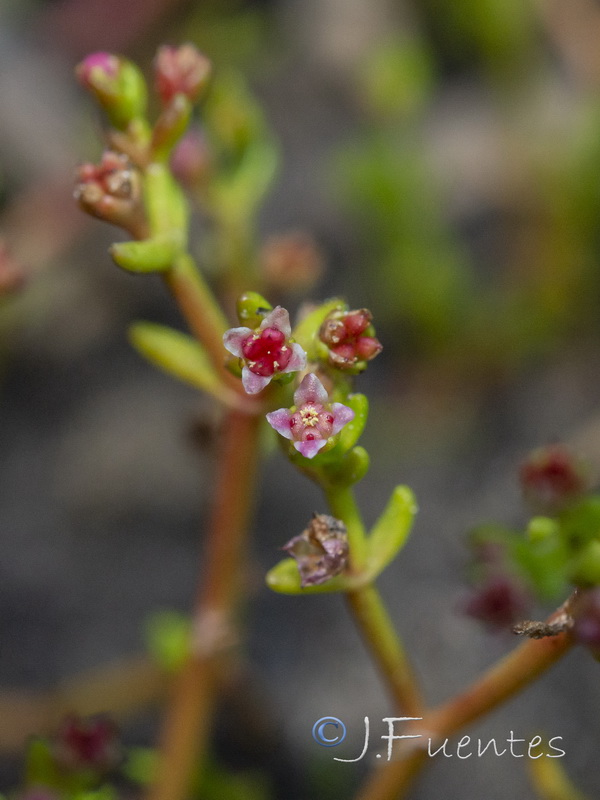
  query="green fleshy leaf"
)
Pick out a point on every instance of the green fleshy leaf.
point(353, 468)
point(284, 578)
point(177, 354)
point(390, 532)
point(168, 638)
point(149, 255)
point(305, 333)
point(352, 431)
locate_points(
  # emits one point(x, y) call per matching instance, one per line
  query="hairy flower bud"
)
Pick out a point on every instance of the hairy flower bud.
point(111, 191)
point(552, 478)
point(180, 70)
point(321, 550)
point(350, 340)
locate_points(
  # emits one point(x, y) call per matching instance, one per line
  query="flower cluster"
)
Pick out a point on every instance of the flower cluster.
point(266, 351)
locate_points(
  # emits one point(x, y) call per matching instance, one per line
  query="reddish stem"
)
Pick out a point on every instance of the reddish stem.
point(189, 713)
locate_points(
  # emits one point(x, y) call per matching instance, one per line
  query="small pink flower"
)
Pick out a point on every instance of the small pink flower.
point(314, 421)
point(266, 352)
point(180, 70)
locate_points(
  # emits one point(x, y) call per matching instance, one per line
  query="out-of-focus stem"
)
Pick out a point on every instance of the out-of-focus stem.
point(369, 612)
point(199, 307)
point(379, 634)
point(185, 732)
point(498, 684)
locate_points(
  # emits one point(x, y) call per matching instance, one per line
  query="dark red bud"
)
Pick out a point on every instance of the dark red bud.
point(552, 478)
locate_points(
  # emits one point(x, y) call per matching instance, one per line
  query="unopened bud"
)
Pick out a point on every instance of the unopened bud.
point(87, 743)
point(180, 70)
point(111, 191)
point(499, 602)
point(191, 160)
point(349, 338)
point(117, 85)
point(552, 478)
point(292, 261)
point(252, 308)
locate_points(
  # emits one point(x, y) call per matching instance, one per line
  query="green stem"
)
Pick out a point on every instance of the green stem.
point(377, 629)
point(498, 684)
point(368, 609)
point(343, 506)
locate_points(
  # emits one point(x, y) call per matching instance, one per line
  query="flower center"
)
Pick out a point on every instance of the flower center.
point(266, 352)
point(309, 416)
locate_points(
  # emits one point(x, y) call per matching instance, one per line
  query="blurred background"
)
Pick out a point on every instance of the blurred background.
point(445, 156)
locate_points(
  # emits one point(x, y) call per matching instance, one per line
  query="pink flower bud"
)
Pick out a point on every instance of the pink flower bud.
point(348, 337)
point(180, 70)
point(98, 68)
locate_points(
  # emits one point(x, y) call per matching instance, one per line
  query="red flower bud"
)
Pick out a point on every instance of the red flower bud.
point(348, 337)
point(91, 743)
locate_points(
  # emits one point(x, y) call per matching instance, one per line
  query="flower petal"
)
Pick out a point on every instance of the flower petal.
point(253, 384)
point(234, 338)
point(298, 360)
point(279, 319)
point(342, 415)
point(311, 390)
point(280, 421)
point(310, 448)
